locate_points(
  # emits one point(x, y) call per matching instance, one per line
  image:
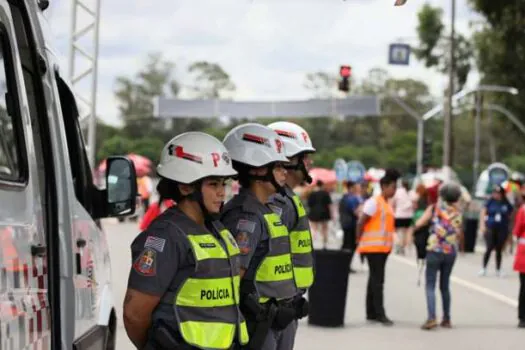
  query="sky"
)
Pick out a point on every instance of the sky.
point(267, 46)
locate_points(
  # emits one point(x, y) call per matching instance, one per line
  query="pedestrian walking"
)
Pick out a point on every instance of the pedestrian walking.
point(404, 212)
point(494, 226)
point(320, 211)
point(350, 207)
point(519, 260)
point(375, 231)
point(420, 234)
point(445, 220)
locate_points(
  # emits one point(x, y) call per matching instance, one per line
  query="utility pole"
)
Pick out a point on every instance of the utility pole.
point(447, 122)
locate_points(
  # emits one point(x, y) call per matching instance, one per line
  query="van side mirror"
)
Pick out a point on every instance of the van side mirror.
point(121, 187)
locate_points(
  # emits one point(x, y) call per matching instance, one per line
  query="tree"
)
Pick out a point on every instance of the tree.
point(135, 95)
point(499, 44)
point(211, 81)
point(104, 132)
point(321, 84)
point(434, 46)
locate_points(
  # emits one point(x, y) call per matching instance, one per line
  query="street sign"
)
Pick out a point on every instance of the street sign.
point(340, 169)
point(399, 54)
point(355, 171)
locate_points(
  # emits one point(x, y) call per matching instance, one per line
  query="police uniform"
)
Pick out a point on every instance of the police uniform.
point(194, 270)
point(265, 255)
point(294, 216)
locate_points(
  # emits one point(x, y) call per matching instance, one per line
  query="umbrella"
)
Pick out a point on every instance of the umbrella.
point(325, 175)
point(141, 163)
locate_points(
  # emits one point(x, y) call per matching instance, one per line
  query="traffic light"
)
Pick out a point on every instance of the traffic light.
point(345, 72)
point(427, 152)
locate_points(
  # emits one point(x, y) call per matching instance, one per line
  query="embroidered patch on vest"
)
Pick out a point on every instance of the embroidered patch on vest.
point(145, 264)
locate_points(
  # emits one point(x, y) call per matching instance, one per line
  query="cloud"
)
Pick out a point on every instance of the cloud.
point(267, 46)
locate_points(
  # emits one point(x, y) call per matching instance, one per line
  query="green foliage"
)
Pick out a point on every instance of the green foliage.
point(211, 81)
point(322, 84)
point(429, 30)
point(116, 145)
point(516, 162)
point(434, 47)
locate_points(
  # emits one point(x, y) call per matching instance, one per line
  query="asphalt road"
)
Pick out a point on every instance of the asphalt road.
point(484, 309)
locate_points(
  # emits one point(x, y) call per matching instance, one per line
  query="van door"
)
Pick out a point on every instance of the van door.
point(92, 275)
point(24, 302)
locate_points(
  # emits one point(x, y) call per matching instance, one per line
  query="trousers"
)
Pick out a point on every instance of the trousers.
point(442, 263)
point(521, 305)
point(281, 340)
point(376, 280)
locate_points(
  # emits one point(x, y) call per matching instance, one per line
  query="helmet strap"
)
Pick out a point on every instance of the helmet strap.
point(301, 167)
point(269, 177)
point(197, 196)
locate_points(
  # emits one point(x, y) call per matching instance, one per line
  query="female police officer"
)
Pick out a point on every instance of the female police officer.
point(298, 147)
point(183, 288)
point(267, 286)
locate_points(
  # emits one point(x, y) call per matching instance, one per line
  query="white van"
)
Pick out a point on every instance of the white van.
point(55, 276)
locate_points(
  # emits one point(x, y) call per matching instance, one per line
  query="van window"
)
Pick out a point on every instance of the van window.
point(11, 134)
point(80, 168)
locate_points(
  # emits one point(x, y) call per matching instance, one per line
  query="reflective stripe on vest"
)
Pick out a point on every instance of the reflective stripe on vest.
point(274, 277)
point(206, 304)
point(301, 247)
point(378, 232)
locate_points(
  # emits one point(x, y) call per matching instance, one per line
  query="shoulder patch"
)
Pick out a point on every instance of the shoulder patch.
point(145, 264)
point(155, 243)
point(244, 225)
point(243, 242)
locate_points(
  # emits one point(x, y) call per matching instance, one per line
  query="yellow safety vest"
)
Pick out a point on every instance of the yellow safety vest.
point(211, 291)
point(301, 247)
point(274, 277)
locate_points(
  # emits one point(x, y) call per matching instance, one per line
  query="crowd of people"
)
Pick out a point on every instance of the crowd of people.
point(431, 221)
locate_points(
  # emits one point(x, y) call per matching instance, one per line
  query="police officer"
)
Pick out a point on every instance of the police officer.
point(267, 285)
point(298, 146)
point(183, 288)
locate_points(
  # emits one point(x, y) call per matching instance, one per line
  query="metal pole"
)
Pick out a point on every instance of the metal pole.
point(492, 142)
point(93, 121)
point(477, 136)
point(72, 33)
point(420, 145)
point(447, 127)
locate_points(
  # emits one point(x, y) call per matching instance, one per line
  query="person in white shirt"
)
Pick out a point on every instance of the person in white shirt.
point(404, 212)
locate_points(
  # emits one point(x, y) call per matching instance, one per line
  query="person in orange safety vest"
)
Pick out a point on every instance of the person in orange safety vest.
point(375, 232)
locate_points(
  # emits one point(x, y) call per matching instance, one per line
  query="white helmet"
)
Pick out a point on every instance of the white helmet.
point(296, 139)
point(255, 145)
point(193, 156)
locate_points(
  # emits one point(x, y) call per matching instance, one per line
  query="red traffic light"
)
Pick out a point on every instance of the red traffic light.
point(345, 71)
